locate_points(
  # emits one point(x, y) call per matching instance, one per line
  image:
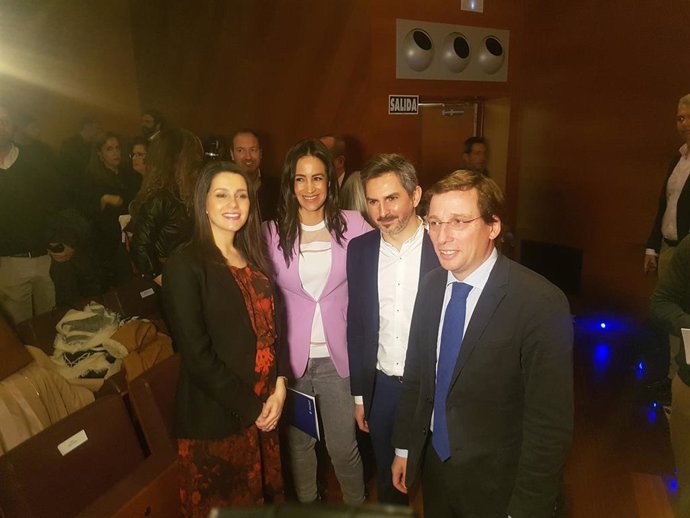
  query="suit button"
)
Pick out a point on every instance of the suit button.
point(423, 431)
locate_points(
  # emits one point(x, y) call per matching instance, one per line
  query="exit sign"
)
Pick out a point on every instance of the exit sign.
point(403, 104)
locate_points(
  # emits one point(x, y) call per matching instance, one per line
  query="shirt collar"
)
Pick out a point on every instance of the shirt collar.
point(410, 241)
point(683, 150)
point(479, 277)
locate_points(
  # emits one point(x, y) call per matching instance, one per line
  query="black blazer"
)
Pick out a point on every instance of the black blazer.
point(510, 405)
point(682, 212)
point(363, 308)
point(212, 332)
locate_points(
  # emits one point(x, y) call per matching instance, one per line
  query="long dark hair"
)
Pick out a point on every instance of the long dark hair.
point(248, 239)
point(96, 169)
point(288, 222)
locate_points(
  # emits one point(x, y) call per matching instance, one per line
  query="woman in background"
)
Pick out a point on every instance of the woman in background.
point(109, 190)
point(161, 213)
point(353, 197)
point(307, 245)
point(219, 303)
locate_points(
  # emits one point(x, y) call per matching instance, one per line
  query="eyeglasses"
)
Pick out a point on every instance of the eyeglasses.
point(137, 155)
point(455, 224)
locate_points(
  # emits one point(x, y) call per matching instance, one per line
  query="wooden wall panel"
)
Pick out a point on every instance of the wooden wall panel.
point(297, 68)
point(60, 61)
point(598, 93)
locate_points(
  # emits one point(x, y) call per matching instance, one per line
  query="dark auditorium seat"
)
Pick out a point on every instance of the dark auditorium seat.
point(152, 395)
point(38, 481)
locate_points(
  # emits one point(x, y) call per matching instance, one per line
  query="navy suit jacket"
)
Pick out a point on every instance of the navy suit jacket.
point(510, 402)
point(363, 308)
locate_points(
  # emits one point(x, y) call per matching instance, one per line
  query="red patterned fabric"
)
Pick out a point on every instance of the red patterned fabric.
point(243, 469)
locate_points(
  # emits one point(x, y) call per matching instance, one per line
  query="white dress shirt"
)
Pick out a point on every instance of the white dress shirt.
point(673, 189)
point(398, 280)
point(477, 279)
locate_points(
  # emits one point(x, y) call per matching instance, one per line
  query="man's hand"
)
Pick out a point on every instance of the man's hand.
point(61, 257)
point(399, 471)
point(650, 263)
point(359, 417)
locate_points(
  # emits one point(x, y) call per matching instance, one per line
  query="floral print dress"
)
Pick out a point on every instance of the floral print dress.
point(243, 469)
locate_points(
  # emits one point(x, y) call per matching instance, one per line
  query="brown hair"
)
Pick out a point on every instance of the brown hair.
point(490, 196)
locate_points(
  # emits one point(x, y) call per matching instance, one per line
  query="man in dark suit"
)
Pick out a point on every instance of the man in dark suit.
point(247, 153)
point(486, 408)
point(384, 267)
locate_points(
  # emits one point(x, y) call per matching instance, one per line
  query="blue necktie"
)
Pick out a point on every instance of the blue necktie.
point(451, 339)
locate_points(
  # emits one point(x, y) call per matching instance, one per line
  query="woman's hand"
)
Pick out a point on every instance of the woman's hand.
point(273, 407)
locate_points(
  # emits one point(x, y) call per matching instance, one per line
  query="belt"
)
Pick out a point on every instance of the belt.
point(399, 379)
point(30, 255)
point(670, 242)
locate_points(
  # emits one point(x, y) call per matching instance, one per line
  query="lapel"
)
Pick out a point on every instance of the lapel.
point(433, 305)
point(370, 278)
point(492, 295)
point(338, 259)
point(429, 259)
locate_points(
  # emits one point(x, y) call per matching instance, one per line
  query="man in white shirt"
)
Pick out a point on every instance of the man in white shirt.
point(672, 222)
point(384, 268)
point(486, 409)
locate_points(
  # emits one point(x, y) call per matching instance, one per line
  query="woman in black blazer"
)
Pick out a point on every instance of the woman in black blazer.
point(219, 304)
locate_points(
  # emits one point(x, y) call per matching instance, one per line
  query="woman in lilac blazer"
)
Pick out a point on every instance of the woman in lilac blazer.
point(307, 245)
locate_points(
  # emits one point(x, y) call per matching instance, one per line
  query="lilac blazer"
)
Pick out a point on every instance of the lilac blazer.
point(300, 306)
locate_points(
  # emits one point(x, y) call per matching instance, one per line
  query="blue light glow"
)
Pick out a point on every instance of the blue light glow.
point(602, 325)
point(602, 357)
point(651, 416)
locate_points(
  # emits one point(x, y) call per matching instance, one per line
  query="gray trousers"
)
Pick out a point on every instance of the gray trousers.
point(336, 408)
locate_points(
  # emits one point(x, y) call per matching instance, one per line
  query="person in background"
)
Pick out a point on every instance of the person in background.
point(109, 190)
point(474, 155)
point(352, 196)
point(161, 213)
point(246, 152)
point(29, 197)
point(337, 147)
point(218, 299)
point(152, 123)
point(671, 224)
point(74, 157)
point(307, 245)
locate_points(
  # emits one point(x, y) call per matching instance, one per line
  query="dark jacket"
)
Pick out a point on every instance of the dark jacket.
point(682, 212)
point(670, 302)
point(213, 333)
point(510, 403)
point(161, 224)
point(363, 309)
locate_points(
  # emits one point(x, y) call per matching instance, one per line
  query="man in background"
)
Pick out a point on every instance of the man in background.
point(474, 155)
point(336, 145)
point(247, 153)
